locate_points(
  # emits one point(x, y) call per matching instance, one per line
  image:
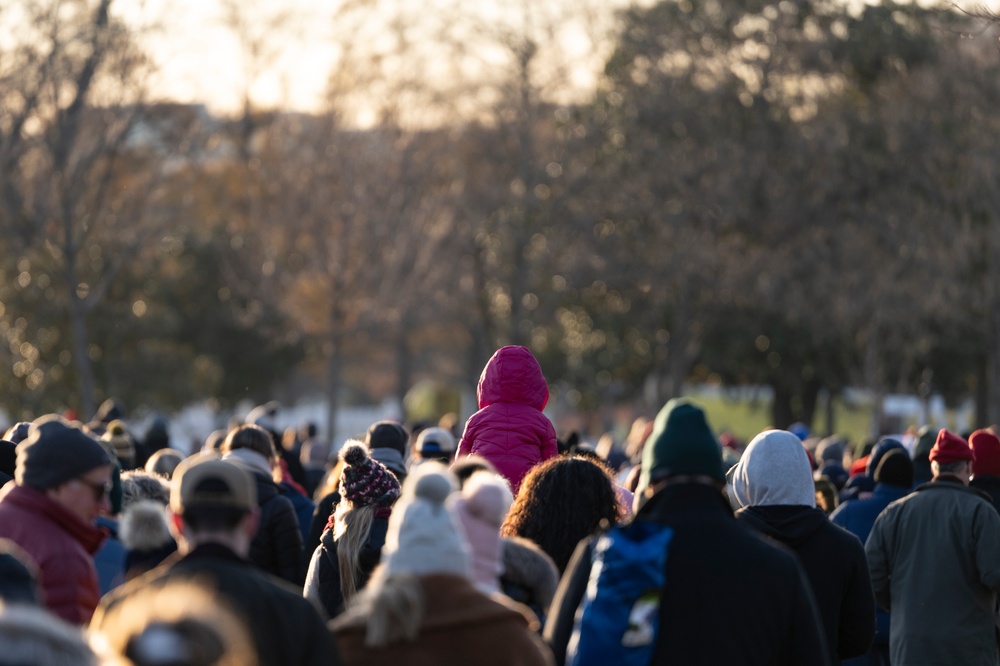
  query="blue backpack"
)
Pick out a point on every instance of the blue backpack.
point(619, 616)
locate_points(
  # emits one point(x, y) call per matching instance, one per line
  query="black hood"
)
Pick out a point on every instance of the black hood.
point(791, 525)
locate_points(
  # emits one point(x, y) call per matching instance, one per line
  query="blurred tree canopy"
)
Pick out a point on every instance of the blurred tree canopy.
point(798, 194)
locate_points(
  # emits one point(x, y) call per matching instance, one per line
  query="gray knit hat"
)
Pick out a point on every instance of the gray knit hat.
point(56, 452)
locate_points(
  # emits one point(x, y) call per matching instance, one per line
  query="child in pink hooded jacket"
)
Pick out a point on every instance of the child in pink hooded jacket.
point(509, 429)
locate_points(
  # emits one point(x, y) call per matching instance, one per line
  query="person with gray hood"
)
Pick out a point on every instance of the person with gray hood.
point(773, 486)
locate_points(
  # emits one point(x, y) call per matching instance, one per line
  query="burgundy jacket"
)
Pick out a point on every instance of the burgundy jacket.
point(510, 429)
point(60, 544)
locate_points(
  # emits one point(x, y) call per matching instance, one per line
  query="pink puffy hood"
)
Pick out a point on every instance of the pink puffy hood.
point(513, 375)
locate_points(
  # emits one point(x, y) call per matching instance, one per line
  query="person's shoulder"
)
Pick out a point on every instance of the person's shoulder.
point(495, 610)
point(846, 511)
point(479, 416)
point(20, 508)
point(505, 608)
point(841, 535)
point(129, 588)
point(274, 586)
point(911, 500)
point(240, 580)
point(267, 489)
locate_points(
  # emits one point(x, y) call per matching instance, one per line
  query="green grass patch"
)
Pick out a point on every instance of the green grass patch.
point(745, 418)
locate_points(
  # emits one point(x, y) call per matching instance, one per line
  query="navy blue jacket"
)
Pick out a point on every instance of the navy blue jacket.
point(857, 517)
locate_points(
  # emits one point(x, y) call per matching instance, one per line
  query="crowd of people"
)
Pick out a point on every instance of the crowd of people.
point(498, 544)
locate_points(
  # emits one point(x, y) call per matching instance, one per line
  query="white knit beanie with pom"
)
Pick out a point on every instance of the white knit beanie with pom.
point(424, 536)
point(482, 507)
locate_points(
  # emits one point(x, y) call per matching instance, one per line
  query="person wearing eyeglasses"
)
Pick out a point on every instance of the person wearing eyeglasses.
point(61, 485)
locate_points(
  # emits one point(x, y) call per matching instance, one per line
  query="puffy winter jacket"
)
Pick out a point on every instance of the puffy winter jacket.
point(323, 579)
point(277, 546)
point(510, 429)
point(60, 544)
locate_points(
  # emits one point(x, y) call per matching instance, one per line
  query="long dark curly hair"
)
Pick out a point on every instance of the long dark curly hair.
point(562, 501)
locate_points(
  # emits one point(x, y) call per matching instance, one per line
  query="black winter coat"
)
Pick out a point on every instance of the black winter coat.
point(989, 484)
point(323, 577)
point(730, 597)
point(277, 546)
point(835, 563)
point(286, 629)
point(320, 518)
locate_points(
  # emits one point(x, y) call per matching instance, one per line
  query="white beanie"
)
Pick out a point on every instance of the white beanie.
point(424, 536)
point(482, 507)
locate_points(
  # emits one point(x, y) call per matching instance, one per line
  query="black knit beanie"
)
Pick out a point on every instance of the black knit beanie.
point(387, 435)
point(386, 441)
point(56, 452)
point(895, 469)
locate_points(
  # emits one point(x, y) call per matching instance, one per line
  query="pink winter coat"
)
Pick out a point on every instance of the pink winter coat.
point(509, 429)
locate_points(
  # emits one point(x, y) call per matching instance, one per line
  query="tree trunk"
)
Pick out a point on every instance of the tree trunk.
point(782, 414)
point(682, 349)
point(993, 379)
point(334, 378)
point(810, 397)
point(991, 411)
point(982, 394)
point(874, 381)
point(831, 418)
point(404, 363)
point(76, 310)
point(81, 355)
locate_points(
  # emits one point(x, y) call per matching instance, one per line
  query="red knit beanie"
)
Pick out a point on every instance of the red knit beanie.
point(986, 446)
point(951, 448)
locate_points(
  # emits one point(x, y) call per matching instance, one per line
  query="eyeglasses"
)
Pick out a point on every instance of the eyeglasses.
point(100, 490)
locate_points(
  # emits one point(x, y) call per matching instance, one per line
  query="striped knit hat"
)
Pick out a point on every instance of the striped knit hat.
point(364, 481)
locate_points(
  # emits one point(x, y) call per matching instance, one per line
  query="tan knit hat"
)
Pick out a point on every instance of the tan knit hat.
point(121, 443)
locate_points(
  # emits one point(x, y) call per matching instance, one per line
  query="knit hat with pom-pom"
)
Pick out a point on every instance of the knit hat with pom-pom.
point(366, 482)
point(424, 536)
point(482, 507)
point(121, 443)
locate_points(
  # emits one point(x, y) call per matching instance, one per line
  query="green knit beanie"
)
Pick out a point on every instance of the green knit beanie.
point(681, 444)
